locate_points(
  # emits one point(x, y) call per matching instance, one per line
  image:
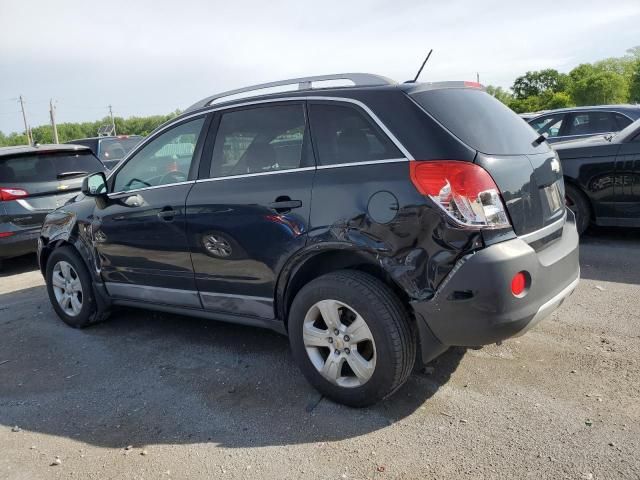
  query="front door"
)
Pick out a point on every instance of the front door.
point(249, 212)
point(139, 232)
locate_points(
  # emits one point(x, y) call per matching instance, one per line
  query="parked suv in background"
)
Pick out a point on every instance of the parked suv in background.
point(33, 182)
point(110, 150)
point(580, 122)
point(375, 224)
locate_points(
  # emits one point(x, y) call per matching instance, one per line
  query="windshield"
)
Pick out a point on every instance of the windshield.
point(117, 148)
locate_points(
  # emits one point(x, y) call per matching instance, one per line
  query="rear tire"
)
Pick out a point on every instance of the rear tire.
point(579, 205)
point(375, 343)
point(70, 288)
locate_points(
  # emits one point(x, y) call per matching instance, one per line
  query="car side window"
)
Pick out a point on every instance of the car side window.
point(622, 121)
point(549, 125)
point(591, 123)
point(258, 140)
point(342, 134)
point(164, 160)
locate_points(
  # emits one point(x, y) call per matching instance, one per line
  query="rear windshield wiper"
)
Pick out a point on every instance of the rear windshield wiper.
point(72, 174)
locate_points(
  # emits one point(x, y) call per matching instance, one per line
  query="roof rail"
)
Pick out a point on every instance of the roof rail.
point(304, 83)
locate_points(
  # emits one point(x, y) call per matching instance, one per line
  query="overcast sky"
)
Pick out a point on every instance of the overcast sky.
point(150, 57)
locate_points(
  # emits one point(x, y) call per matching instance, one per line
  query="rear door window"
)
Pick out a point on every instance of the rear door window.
point(343, 134)
point(622, 121)
point(259, 140)
point(591, 123)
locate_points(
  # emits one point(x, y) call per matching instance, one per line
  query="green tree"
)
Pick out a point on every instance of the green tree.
point(595, 85)
point(500, 93)
point(634, 84)
point(532, 84)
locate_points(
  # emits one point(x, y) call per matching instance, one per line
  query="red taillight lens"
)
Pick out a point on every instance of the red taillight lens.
point(462, 189)
point(12, 193)
point(519, 283)
point(5, 234)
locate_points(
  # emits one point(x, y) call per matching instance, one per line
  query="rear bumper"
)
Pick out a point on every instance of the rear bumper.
point(20, 243)
point(474, 305)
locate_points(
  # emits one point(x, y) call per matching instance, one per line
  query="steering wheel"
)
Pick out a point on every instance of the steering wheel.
point(131, 182)
point(173, 177)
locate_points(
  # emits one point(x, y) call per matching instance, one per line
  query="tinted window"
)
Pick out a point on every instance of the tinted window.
point(117, 148)
point(46, 168)
point(590, 123)
point(549, 126)
point(258, 140)
point(164, 160)
point(622, 121)
point(479, 120)
point(342, 134)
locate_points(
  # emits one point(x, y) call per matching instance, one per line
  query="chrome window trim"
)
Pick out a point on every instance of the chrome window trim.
point(544, 231)
point(257, 174)
point(213, 109)
point(368, 162)
point(129, 192)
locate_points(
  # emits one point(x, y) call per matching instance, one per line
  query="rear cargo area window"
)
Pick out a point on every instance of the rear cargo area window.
point(479, 120)
point(46, 168)
point(342, 134)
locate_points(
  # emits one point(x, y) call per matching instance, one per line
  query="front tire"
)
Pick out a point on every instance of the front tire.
point(352, 337)
point(70, 288)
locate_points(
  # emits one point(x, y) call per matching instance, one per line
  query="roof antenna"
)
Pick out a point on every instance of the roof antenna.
point(421, 67)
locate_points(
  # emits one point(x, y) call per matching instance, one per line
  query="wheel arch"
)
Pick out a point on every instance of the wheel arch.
point(312, 264)
point(575, 184)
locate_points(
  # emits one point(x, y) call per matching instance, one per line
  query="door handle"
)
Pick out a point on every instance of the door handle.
point(167, 214)
point(285, 204)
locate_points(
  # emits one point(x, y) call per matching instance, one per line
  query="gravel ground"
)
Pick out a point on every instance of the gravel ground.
point(159, 396)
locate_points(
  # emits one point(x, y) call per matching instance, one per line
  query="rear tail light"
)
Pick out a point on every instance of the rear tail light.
point(465, 191)
point(12, 193)
point(5, 234)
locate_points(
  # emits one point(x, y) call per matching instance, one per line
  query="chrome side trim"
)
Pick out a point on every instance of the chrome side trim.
point(544, 231)
point(129, 192)
point(146, 293)
point(257, 174)
point(549, 306)
point(260, 307)
point(234, 295)
point(26, 205)
point(354, 164)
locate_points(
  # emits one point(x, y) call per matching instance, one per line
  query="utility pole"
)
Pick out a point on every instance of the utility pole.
point(478, 77)
point(113, 123)
point(27, 130)
point(52, 114)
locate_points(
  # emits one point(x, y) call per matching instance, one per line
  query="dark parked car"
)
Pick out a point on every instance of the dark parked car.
point(33, 182)
point(602, 178)
point(110, 150)
point(580, 122)
point(329, 214)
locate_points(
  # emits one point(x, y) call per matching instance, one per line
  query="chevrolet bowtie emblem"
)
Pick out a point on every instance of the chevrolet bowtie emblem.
point(63, 187)
point(555, 165)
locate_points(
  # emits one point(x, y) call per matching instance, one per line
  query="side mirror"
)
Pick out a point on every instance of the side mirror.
point(95, 185)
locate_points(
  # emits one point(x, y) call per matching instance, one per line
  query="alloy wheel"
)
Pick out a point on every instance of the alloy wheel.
point(67, 288)
point(339, 343)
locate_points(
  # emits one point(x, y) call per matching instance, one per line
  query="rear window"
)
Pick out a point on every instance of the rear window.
point(479, 120)
point(117, 148)
point(46, 168)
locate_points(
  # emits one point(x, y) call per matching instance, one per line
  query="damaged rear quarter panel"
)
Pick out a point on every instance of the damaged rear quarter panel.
point(417, 248)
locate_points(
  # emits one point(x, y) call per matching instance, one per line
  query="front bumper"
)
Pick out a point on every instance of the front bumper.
point(474, 305)
point(20, 243)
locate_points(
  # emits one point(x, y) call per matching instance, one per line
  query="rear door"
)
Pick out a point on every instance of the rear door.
point(249, 211)
point(587, 124)
point(139, 232)
point(627, 182)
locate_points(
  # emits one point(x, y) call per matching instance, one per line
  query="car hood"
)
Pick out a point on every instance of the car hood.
point(587, 147)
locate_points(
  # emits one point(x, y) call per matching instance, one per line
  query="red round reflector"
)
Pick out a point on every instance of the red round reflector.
point(519, 283)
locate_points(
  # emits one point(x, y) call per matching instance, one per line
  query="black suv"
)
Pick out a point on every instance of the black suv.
point(110, 150)
point(33, 182)
point(374, 224)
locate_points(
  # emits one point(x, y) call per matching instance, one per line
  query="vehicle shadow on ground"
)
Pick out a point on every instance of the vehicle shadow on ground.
point(145, 378)
point(14, 266)
point(600, 250)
